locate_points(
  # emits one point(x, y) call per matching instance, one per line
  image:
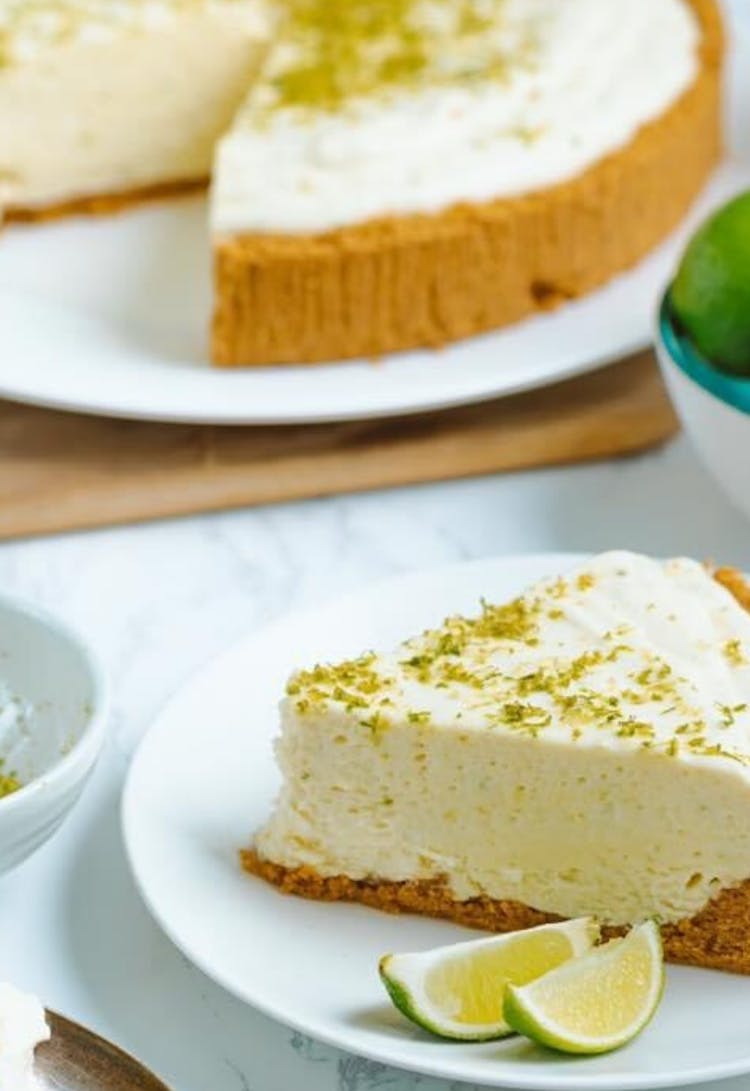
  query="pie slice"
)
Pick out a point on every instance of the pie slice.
point(581, 750)
point(102, 101)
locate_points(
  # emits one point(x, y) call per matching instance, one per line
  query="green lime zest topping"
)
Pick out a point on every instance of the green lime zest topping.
point(729, 713)
point(353, 683)
point(336, 51)
point(493, 667)
point(514, 622)
point(377, 723)
point(734, 653)
point(523, 715)
point(418, 717)
point(8, 783)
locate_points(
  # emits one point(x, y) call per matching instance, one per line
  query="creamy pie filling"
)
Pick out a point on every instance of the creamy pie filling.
point(105, 96)
point(362, 110)
point(583, 749)
point(444, 103)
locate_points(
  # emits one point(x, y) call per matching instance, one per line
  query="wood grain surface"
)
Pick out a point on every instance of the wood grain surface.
point(62, 471)
point(76, 1059)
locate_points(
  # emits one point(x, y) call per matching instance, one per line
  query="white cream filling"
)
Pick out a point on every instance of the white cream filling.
point(106, 95)
point(622, 792)
point(23, 1027)
point(599, 72)
point(125, 102)
point(29, 28)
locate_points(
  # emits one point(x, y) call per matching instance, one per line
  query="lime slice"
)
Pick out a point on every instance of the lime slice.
point(595, 1003)
point(457, 991)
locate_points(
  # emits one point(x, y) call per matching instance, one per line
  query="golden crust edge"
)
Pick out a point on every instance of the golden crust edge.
point(718, 937)
point(105, 204)
point(256, 274)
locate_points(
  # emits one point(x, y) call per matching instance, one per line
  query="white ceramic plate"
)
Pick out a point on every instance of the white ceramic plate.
point(111, 316)
point(205, 778)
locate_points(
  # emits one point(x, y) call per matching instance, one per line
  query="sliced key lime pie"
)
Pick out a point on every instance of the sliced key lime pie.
point(406, 173)
point(387, 174)
point(581, 750)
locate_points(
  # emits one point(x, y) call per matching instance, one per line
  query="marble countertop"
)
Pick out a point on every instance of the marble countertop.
point(158, 601)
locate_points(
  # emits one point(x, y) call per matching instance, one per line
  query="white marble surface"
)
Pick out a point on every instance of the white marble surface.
point(158, 601)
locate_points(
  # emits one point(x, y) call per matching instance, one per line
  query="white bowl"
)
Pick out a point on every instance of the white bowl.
point(55, 749)
point(714, 409)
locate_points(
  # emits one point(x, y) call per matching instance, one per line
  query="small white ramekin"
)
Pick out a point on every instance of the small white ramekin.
point(714, 408)
point(46, 664)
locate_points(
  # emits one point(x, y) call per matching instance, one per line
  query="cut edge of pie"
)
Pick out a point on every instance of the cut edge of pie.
point(717, 937)
point(106, 204)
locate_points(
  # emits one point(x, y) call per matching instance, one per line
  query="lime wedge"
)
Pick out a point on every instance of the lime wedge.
point(595, 1003)
point(457, 992)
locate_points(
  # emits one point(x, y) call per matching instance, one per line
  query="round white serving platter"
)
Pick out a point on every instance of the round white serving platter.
point(204, 779)
point(111, 316)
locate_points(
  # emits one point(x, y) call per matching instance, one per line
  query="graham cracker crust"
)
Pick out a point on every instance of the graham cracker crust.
point(105, 204)
point(718, 937)
point(414, 281)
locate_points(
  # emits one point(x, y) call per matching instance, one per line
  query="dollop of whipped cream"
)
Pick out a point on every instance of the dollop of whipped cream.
point(23, 1027)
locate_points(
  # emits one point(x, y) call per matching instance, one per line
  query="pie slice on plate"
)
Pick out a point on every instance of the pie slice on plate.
point(581, 750)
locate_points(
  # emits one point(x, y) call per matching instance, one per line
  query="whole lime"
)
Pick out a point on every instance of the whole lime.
point(711, 292)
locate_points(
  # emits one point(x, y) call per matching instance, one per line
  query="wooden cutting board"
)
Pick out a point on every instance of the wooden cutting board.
point(62, 471)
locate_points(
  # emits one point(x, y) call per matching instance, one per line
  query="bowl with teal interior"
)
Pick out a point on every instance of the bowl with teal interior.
point(53, 716)
point(714, 406)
